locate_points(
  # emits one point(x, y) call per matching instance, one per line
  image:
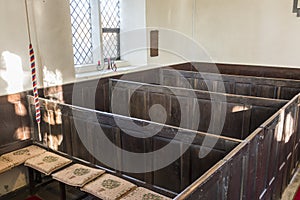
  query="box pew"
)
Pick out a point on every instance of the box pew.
point(242, 114)
point(260, 167)
point(275, 88)
point(83, 140)
point(241, 69)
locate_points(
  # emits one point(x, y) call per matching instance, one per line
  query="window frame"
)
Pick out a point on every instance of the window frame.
point(97, 39)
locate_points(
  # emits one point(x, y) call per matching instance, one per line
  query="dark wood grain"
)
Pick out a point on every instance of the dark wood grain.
point(233, 84)
point(240, 111)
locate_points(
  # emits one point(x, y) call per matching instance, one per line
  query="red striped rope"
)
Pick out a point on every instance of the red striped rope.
point(34, 84)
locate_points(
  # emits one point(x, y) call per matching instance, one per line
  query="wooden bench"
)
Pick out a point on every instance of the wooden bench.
point(90, 180)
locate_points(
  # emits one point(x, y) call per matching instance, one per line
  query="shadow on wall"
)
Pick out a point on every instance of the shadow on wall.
point(14, 122)
point(11, 72)
point(51, 133)
point(14, 118)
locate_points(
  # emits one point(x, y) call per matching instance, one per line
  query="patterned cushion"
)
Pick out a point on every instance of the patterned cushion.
point(108, 187)
point(47, 162)
point(18, 157)
point(5, 165)
point(144, 194)
point(77, 175)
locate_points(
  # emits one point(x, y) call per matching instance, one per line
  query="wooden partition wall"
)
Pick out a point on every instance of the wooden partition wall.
point(275, 88)
point(260, 167)
point(241, 69)
point(257, 167)
point(181, 172)
point(240, 112)
point(14, 119)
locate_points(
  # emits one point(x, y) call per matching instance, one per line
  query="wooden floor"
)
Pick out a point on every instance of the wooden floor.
point(50, 192)
point(292, 188)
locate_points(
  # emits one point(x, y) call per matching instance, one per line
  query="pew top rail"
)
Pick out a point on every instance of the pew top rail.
point(230, 77)
point(167, 133)
point(199, 94)
point(277, 88)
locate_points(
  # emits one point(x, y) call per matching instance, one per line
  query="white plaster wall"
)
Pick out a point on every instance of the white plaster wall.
point(51, 38)
point(53, 33)
point(259, 32)
point(133, 33)
point(262, 32)
point(14, 64)
point(174, 20)
point(171, 14)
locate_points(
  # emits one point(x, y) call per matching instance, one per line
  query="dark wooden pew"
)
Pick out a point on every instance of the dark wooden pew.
point(260, 167)
point(85, 142)
point(242, 114)
point(275, 88)
point(241, 69)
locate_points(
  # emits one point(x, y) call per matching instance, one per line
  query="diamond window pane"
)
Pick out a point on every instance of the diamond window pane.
point(81, 31)
point(110, 16)
point(110, 13)
point(81, 19)
point(110, 45)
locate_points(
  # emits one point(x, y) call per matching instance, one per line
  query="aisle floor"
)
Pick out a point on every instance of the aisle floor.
point(51, 191)
point(292, 188)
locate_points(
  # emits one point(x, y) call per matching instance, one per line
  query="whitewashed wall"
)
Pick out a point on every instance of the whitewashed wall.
point(259, 32)
point(54, 40)
point(13, 47)
point(133, 33)
point(51, 38)
point(174, 20)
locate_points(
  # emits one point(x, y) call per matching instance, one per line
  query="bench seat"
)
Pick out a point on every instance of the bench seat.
point(108, 187)
point(77, 175)
point(47, 162)
point(19, 156)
